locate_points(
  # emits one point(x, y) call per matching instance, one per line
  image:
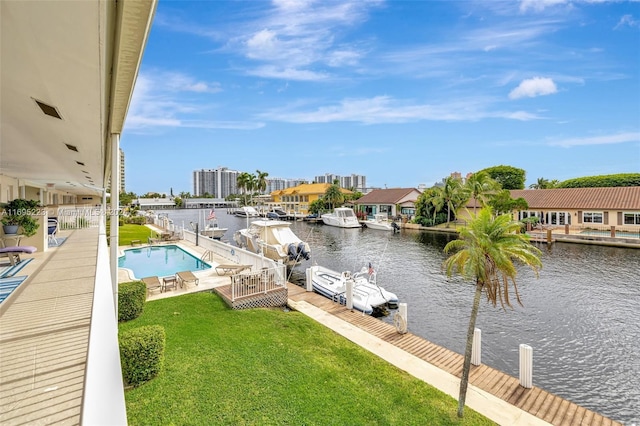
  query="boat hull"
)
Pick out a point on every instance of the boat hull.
point(367, 297)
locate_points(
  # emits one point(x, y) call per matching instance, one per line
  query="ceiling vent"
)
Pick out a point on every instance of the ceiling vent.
point(49, 110)
point(72, 147)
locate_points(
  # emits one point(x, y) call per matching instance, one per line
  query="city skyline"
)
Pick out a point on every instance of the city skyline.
point(401, 92)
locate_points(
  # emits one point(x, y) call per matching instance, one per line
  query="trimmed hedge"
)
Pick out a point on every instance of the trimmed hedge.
point(602, 181)
point(136, 220)
point(141, 353)
point(131, 298)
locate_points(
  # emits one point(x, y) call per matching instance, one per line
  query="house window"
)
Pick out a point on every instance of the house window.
point(632, 218)
point(385, 209)
point(592, 217)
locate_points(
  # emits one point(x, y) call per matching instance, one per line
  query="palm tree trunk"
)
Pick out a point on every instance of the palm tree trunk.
point(464, 381)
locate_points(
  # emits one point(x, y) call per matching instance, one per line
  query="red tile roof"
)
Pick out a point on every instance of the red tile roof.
point(618, 198)
point(385, 196)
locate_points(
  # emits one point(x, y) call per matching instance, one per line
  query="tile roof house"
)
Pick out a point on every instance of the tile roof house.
point(298, 198)
point(394, 202)
point(616, 206)
point(581, 207)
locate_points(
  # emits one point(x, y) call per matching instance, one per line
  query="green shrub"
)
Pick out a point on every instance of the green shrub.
point(601, 181)
point(131, 297)
point(141, 353)
point(137, 220)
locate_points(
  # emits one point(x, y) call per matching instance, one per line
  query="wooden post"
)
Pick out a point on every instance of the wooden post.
point(476, 349)
point(613, 231)
point(526, 366)
point(549, 240)
point(566, 229)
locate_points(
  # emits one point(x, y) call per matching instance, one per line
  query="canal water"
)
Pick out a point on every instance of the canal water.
point(581, 315)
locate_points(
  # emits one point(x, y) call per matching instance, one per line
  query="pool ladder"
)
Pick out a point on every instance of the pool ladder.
point(208, 255)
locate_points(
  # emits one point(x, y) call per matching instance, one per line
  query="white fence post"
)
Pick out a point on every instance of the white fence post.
point(526, 366)
point(349, 294)
point(476, 348)
point(400, 319)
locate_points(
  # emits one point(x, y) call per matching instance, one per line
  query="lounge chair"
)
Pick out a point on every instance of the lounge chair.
point(232, 268)
point(186, 277)
point(152, 283)
point(13, 252)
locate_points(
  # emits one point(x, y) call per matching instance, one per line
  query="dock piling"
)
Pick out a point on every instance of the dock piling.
point(526, 366)
point(476, 349)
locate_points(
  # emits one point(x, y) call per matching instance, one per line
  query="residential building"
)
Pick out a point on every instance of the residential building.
point(392, 201)
point(298, 198)
point(357, 182)
point(617, 206)
point(219, 183)
point(277, 184)
point(67, 75)
point(122, 174)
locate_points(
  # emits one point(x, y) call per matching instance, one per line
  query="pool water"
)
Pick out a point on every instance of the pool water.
point(159, 260)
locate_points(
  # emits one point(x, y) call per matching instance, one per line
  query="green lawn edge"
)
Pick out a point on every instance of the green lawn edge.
point(270, 367)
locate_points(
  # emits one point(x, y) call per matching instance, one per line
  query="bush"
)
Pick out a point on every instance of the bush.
point(137, 220)
point(131, 298)
point(601, 181)
point(141, 353)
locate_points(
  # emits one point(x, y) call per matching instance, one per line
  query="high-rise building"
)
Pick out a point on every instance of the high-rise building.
point(219, 183)
point(357, 182)
point(122, 186)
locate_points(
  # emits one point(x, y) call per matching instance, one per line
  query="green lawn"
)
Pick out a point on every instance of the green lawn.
point(269, 367)
point(130, 232)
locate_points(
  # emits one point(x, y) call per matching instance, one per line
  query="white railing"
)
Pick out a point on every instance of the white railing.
point(103, 399)
point(73, 217)
point(260, 282)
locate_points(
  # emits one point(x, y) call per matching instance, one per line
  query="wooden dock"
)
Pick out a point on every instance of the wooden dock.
point(538, 402)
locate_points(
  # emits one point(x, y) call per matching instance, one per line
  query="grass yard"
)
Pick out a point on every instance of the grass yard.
point(130, 232)
point(269, 367)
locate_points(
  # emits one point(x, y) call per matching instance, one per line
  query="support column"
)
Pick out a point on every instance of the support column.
point(113, 229)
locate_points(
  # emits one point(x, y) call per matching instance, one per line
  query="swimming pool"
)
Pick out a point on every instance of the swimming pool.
point(159, 260)
point(607, 233)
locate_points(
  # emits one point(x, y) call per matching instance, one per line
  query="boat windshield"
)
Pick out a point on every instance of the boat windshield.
point(345, 213)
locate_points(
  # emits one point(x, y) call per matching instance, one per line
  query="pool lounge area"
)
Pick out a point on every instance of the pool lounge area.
point(161, 261)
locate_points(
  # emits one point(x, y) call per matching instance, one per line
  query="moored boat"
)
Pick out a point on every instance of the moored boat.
point(381, 221)
point(368, 297)
point(275, 240)
point(342, 217)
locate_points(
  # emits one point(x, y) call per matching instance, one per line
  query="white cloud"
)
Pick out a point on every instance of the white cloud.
point(385, 109)
point(627, 21)
point(537, 86)
point(598, 140)
point(539, 5)
point(159, 102)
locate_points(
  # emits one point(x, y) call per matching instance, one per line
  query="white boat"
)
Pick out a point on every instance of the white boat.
point(368, 297)
point(381, 221)
point(342, 217)
point(275, 240)
point(246, 211)
point(212, 230)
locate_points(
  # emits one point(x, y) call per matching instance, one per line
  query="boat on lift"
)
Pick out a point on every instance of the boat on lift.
point(275, 240)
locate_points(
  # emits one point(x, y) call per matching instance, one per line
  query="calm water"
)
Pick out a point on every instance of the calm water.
point(160, 261)
point(581, 316)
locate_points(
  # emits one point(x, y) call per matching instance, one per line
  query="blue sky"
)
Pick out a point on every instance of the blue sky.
point(403, 92)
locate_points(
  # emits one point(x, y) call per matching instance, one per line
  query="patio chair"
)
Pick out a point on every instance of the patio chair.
point(13, 253)
point(231, 268)
point(152, 283)
point(52, 230)
point(185, 277)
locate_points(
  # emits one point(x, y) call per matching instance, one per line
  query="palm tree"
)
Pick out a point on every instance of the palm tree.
point(451, 196)
point(243, 182)
point(333, 196)
point(261, 181)
point(541, 183)
point(485, 252)
point(479, 186)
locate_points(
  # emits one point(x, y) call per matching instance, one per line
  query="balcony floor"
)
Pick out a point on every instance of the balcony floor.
point(44, 334)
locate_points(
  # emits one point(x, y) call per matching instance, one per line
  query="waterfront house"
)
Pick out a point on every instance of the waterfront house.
point(393, 202)
point(298, 198)
point(67, 77)
point(580, 208)
point(583, 207)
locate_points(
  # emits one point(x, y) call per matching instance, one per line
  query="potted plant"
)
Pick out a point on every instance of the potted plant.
point(19, 213)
